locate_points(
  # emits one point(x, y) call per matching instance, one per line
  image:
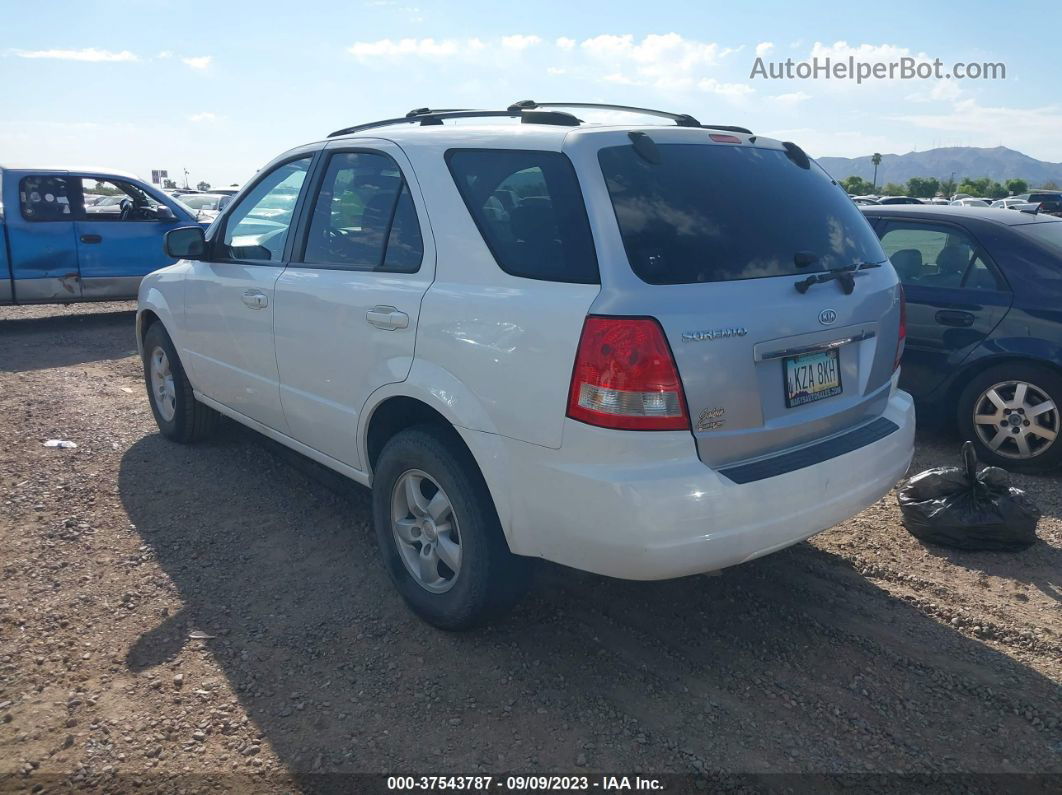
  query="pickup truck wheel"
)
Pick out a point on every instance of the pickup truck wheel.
point(178, 414)
point(439, 533)
point(1012, 414)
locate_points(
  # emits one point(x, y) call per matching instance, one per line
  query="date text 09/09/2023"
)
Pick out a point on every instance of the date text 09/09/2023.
point(524, 783)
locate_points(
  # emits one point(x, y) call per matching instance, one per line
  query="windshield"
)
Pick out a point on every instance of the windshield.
point(1047, 233)
point(201, 202)
point(709, 213)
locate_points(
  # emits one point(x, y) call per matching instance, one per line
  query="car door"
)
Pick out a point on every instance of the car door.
point(40, 237)
point(955, 296)
point(120, 238)
point(348, 304)
point(227, 339)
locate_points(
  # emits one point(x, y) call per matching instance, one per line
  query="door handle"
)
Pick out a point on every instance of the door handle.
point(91, 239)
point(387, 318)
point(255, 299)
point(953, 317)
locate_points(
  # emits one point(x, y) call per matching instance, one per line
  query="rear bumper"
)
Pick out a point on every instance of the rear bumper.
point(657, 511)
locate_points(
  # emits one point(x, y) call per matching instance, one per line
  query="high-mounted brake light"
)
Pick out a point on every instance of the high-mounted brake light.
point(625, 377)
point(724, 139)
point(902, 340)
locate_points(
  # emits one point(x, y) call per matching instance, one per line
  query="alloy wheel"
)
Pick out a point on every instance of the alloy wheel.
point(426, 531)
point(1016, 419)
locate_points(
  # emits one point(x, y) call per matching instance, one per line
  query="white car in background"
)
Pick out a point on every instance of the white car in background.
point(205, 206)
point(969, 202)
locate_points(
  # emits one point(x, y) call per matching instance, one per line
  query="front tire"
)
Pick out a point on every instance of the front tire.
point(178, 414)
point(439, 534)
point(1011, 413)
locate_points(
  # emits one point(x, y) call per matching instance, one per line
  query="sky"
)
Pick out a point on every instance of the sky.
point(221, 88)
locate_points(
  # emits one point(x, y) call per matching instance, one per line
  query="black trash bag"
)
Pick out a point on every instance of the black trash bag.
point(967, 509)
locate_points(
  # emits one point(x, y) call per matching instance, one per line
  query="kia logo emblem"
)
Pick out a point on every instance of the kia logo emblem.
point(827, 316)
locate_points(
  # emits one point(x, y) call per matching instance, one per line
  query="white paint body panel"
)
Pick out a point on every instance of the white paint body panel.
point(493, 354)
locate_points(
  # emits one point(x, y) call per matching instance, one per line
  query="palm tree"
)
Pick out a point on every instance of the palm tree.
point(876, 160)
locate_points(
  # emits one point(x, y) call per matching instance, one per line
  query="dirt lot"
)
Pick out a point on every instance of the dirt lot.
point(862, 651)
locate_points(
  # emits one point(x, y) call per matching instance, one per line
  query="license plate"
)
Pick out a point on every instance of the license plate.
point(811, 377)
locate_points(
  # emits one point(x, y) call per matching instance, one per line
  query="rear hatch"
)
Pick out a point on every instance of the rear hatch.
point(711, 238)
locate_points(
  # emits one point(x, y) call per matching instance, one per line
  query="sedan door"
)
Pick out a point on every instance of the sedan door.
point(229, 297)
point(955, 297)
point(347, 306)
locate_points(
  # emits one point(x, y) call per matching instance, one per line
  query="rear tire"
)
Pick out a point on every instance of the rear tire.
point(178, 414)
point(1018, 421)
point(439, 533)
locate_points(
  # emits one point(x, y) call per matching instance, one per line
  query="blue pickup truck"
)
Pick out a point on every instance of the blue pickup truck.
point(88, 235)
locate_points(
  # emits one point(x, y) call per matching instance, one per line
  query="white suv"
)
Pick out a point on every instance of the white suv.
point(642, 351)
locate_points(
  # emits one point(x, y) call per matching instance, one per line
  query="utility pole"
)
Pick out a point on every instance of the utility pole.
point(186, 179)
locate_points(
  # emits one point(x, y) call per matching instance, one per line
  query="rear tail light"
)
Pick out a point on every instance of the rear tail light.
point(901, 341)
point(625, 377)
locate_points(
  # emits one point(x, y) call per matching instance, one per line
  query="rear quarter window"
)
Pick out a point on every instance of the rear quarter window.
point(707, 213)
point(529, 210)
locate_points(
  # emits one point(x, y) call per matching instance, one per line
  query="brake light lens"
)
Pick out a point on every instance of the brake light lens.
point(625, 377)
point(902, 340)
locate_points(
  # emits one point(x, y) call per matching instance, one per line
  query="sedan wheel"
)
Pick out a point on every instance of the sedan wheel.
point(1016, 420)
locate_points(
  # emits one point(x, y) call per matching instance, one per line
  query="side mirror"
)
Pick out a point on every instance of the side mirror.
point(188, 242)
point(164, 213)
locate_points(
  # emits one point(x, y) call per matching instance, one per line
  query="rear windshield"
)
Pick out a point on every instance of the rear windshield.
point(1047, 233)
point(711, 213)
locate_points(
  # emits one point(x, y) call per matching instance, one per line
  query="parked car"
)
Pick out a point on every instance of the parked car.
point(899, 200)
point(969, 202)
point(1050, 202)
point(205, 206)
point(56, 248)
point(863, 200)
point(545, 340)
point(984, 324)
point(1009, 203)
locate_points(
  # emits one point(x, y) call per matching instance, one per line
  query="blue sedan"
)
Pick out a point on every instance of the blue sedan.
point(984, 323)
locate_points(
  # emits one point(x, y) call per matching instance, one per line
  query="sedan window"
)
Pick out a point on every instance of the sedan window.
point(936, 256)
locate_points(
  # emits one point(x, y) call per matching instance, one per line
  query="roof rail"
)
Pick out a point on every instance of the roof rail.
point(680, 119)
point(529, 112)
point(429, 117)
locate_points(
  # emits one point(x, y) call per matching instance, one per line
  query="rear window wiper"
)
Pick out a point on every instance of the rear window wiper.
point(846, 276)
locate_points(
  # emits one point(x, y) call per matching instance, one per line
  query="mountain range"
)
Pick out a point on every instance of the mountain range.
point(998, 163)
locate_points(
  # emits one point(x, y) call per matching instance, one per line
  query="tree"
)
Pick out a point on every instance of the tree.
point(876, 160)
point(975, 187)
point(168, 184)
point(1049, 185)
point(923, 187)
point(947, 187)
point(203, 186)
point(857, 186)
point(892, 189)
point(1016, 186)
point(996, 191)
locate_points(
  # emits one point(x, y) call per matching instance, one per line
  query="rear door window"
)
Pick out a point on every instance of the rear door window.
point(937, 256)
point(708, 213)
point(49, 198)
point(530, 211)
point(364, 217)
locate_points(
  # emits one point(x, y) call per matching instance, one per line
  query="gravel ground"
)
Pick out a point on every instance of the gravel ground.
point(221, 609)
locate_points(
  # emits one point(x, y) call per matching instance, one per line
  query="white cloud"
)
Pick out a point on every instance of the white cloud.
point(763, 48)
point(423, 48)
point(792, 99)
point(1034, 130)
point(564, 43)
point(731, 90)
point(87, 54)
point(201, 62)
point(663, 61)
point(519, 42)
point(162, 56)
point(205, 116)
point(556, 70)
